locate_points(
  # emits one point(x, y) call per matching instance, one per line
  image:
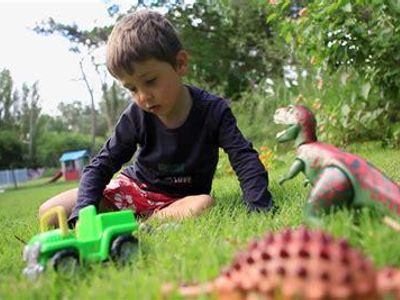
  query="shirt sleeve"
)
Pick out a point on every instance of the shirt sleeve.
point(118, 150)
point(253, 177)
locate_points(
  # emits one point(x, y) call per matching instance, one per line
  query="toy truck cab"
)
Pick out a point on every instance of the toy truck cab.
point(97, 237)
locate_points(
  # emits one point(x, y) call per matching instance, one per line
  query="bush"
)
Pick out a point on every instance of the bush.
point(53, 145)
point(359, 38)
point(344, 116)
point(11, 150)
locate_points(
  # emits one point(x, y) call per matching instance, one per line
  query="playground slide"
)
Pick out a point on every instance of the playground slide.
point(55, 177)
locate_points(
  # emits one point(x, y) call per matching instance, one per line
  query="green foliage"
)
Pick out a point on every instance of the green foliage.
point(345, 117)
point(89, 38)
point(361, 36)
point(7, 99)
point(197, 250)
point(254, 108)
point(77, 117)
point(229, 43)
point(357, 43)
point(11, 150)
point(235, 48)
point(54, 144)
point(113, 103)
point(31, 139)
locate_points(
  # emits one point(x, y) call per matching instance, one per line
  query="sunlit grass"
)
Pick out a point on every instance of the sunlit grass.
point(193, 252)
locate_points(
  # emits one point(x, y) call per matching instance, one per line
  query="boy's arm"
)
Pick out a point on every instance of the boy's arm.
point(118, 150)
point(244, 159)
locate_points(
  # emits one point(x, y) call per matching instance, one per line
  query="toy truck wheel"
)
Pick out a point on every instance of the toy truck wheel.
point(65, 262)
point(123, 248)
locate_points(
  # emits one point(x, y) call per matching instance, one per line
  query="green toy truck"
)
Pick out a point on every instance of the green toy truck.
point(97, 237)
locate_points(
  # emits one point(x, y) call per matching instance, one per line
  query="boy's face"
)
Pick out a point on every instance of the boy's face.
point(156, 85)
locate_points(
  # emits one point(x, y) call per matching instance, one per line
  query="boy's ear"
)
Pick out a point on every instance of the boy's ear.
point(182, 62)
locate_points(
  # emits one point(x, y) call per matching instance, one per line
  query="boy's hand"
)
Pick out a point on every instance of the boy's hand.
point(73, 223)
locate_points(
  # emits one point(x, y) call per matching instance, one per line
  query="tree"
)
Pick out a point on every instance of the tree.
point(7, 99)
point(54, 144)
point(72, 116)
point(230, 44)
point(11, 150)
point(92, 105)
point(30, 113)
point(114, 101)
point(76, 117)
point(84, 43)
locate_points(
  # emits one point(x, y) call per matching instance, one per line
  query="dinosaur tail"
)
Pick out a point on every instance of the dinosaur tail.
point(220, 288)
point(187, 291)
point(379, 188)
point(388, 283)
point(388, 193)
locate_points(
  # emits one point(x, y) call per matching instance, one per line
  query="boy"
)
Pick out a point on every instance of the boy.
point(178, 130)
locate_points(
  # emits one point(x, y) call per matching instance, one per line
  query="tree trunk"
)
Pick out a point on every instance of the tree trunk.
point(93, 108)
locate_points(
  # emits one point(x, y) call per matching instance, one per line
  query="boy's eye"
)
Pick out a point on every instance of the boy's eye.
point(151, 81)
point(132, 89)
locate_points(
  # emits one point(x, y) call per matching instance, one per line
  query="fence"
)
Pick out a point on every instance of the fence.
point(10, 177)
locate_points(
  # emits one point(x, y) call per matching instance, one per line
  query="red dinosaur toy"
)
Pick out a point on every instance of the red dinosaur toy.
point(299, 264)
point(337, 177)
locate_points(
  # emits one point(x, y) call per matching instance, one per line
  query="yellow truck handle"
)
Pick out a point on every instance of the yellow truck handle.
point(61, 216)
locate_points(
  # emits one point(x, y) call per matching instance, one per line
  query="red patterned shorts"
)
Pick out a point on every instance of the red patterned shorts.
point(125, 193)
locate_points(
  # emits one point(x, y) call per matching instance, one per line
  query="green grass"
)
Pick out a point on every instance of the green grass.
point(194, 252)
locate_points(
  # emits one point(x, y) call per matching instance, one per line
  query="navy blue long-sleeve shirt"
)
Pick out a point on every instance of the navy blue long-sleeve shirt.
point(177, 162)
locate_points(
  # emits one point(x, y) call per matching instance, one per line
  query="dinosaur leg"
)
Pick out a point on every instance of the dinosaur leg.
point(332, 188)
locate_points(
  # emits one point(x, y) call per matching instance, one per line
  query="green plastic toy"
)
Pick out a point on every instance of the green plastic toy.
point(97, 237)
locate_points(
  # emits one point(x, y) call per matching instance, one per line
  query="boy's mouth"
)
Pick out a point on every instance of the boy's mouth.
point(154, 108)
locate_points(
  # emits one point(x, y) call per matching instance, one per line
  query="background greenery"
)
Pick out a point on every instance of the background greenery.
point(260, 54)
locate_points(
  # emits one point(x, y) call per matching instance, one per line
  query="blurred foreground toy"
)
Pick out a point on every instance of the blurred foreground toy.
point(95, 238)
point(338, 178)
point(299, 264)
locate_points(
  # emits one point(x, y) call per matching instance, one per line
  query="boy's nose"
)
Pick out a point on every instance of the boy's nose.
point(144, 96)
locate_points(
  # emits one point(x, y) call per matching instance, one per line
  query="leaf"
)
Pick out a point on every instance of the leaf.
point(347, 8)
point(346, 110)
point(272, 17)
point(343, 78)
point(288, 37)
point(365, 88)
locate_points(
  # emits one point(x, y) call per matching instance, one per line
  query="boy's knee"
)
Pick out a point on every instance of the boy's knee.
point(66, 199)
point(45, 207)
point(207, 200)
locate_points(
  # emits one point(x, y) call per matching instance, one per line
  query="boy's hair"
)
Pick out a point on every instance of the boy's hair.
point(139, 36)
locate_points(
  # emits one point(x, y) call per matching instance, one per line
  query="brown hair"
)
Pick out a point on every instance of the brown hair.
point(139, 36)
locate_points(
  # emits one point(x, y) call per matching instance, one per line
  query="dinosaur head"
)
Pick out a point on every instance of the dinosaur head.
point(301, 124)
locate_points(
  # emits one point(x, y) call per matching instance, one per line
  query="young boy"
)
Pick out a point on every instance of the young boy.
point(176, 128)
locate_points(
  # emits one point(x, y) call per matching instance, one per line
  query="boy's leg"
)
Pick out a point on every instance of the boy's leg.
point(183, 208)
point(66, 199)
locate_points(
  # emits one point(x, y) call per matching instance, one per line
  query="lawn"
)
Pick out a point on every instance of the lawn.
point(193, 252)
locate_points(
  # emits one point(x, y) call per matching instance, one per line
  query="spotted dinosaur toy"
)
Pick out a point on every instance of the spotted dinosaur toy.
point(337, 177)
point(299, 264)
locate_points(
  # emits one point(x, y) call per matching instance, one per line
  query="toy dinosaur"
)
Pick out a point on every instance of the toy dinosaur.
point(298, 264)
point(338, 177)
